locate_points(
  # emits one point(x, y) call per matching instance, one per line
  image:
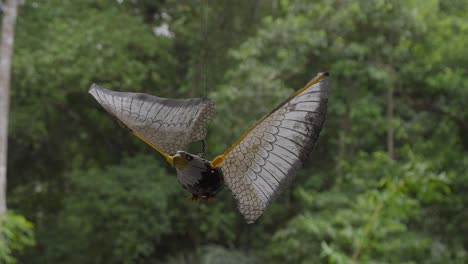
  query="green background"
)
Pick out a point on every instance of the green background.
point(93, 193)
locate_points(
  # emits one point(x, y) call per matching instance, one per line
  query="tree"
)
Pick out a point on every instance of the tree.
point(380, 206)
point(6, 52)
point(15, 231)
point(387, 182)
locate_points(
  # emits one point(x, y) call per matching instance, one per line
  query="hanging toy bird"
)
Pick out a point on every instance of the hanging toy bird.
point(259, 166)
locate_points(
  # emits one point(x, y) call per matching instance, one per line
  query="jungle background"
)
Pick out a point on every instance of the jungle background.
point(386, 183)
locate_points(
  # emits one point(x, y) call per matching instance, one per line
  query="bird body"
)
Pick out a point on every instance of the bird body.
point(196, 175)
point(257, 168)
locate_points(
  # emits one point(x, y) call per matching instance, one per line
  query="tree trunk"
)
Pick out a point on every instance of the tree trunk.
point(6, 51)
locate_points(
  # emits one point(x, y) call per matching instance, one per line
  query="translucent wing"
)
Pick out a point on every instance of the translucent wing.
point(168, 125)
point(265, 161)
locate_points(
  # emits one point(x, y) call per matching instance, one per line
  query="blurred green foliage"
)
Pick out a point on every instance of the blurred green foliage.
point(98, 195)
point(16, 233)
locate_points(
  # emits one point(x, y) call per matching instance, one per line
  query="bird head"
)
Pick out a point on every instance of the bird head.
point(181, 159)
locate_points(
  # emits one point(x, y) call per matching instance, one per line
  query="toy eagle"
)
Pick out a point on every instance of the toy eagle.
point(259, 166)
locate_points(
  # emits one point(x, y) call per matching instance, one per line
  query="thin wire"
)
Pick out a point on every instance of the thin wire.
point(204, 84)
point(204, 144)
point(204, 47)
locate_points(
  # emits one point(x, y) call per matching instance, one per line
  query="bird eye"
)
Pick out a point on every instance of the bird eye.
point(188, 157)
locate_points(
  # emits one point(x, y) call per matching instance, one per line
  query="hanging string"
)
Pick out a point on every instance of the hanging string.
point(205, 32)
point(203, 64)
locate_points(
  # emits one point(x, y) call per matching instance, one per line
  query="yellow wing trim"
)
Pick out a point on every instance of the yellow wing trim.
point(216, 162)
point(168, 158)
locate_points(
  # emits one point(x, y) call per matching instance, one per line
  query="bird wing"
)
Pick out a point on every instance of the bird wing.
point(264, 161)
point(168, 125)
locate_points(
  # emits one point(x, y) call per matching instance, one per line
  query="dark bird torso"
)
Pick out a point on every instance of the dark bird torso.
point(200, 179)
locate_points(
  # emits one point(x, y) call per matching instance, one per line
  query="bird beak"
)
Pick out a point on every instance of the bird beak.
point(178, 161)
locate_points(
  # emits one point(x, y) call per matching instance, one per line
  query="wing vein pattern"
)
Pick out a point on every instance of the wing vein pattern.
point(169, 124)
point(265, 162)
